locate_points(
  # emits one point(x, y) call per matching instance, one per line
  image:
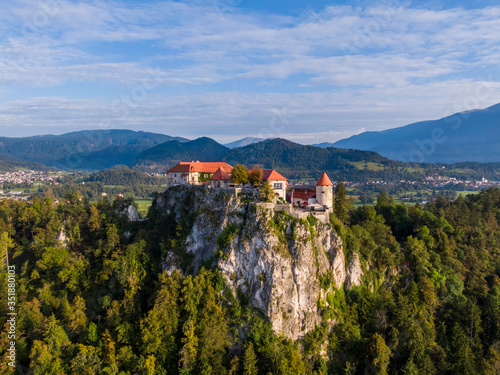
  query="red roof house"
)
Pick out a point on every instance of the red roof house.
point(272, 175)
point(220, 174)
point(200, 167)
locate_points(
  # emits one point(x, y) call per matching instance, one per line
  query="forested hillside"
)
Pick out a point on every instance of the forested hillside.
point(122, 176)
point(8, 163)
point(98, 150)
point(97, 302)
point(164, 156)
point(298, 161)
point(90, 149)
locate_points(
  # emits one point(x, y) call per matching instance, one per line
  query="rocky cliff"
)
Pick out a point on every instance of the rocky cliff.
point(285, 266)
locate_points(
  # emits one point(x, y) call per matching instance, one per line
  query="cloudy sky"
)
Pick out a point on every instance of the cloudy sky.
point(309, 71)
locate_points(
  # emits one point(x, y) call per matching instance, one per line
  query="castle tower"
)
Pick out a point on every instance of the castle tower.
point(324, 191)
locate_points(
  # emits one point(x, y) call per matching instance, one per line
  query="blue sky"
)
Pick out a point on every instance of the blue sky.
point(310, 71)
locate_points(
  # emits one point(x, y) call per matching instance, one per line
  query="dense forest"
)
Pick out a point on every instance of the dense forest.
point(119, 180)
point(87, 149)
point(12, 164)
point(95, 301)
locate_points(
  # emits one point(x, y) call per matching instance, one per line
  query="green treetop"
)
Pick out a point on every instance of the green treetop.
point(239, 174)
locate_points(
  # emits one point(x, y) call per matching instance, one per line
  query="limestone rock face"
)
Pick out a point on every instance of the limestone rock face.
point(62, 238)
point(354, 273)
point(129, 211)
point(132, 213)
point(273, 258)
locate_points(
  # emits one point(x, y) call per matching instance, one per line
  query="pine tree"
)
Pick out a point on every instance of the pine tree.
point(249, 361)
point(340, 202)
point(380, 354)
point(189, 349)
point(266, 191)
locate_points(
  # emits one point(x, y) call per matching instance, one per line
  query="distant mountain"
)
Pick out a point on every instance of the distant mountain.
point(301, 161)
point(170, 153)
point(296, 161)
point(462, 137)
point(82, 149)
point(324, 144)
point(244, 142)
point(292, 159)
point(111, 156)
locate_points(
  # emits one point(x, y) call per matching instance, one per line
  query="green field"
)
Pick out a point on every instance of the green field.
point(143, 205)
point(370, 166)
point(414, 169)
point(461, 170)
point(463, 193)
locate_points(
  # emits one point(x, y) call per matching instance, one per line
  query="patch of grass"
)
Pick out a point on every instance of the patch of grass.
point(463, 193)
point(414, 169)
point(143, 205)
point(370, 166)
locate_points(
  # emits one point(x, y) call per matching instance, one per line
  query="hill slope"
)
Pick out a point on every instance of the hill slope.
point(170, 153)
point(467, 136)
point(74, 150)
point(9, 163)
point(300, 161)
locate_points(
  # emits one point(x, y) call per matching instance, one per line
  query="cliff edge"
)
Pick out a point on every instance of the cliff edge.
point(284, 265)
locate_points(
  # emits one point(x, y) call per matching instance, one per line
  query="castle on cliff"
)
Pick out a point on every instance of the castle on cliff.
point(218, 175)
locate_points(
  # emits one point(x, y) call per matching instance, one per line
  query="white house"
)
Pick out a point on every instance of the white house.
point(277, 181)
point(194, 173)
point(303, 197)
point(218, 174)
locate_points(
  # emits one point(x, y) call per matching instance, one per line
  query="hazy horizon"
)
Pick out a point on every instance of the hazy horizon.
point(229, 69)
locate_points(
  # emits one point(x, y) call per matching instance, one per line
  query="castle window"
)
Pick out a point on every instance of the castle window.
point(278, 185)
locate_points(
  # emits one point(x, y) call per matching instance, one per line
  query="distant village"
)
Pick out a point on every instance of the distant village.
point(218, 175)
point(26, 178)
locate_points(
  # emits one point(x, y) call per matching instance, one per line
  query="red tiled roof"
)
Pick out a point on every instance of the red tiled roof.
point(201, 167)
point(220, 174)
point(303, 194)
point(272, 175)
point(324, 180)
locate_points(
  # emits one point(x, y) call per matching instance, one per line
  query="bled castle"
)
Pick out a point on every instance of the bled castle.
point(218, 175)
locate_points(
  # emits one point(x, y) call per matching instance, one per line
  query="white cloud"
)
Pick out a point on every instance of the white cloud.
point(344, 68)
point(307, 117)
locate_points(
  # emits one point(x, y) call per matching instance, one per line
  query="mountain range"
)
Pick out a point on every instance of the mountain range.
point(462, 137)
point(89, 149)
point(244, 142)
point(466, 136)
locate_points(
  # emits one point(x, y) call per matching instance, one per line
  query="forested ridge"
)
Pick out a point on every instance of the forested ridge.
point(149, 152)
point(97, 301)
